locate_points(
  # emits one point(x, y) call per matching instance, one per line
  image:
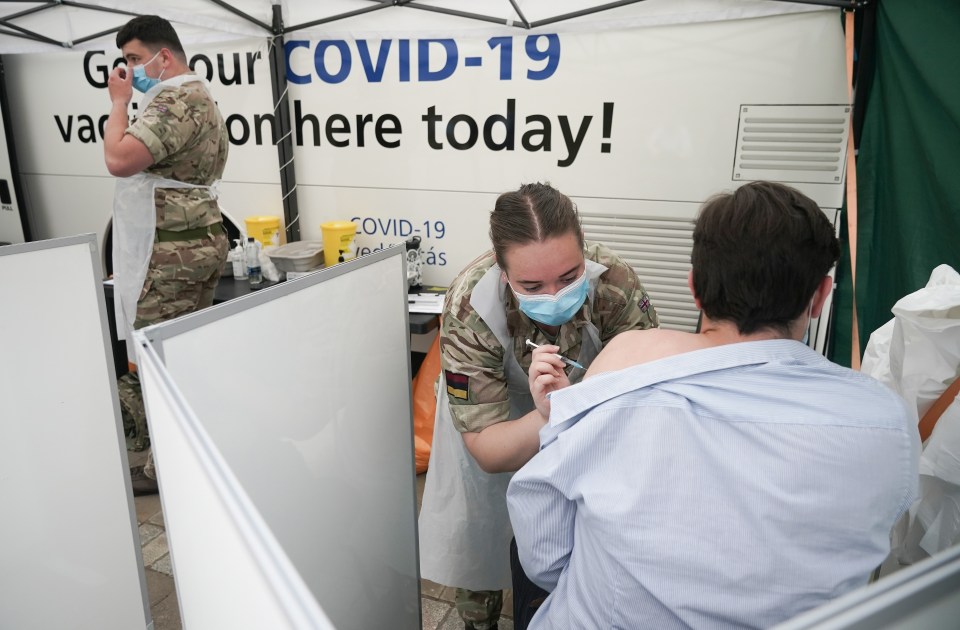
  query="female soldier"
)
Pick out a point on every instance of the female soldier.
point(541, 282)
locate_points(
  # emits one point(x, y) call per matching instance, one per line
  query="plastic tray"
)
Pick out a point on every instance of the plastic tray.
point(297, 256)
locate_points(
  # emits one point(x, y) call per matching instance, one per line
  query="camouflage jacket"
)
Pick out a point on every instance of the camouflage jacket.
point(472, 358)
point(186, 135)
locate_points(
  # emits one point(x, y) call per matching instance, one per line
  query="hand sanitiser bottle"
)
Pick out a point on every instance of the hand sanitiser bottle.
point(252, 254)
point(236, 257)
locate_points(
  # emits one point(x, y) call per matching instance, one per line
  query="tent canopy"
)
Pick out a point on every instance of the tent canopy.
point(46, 26)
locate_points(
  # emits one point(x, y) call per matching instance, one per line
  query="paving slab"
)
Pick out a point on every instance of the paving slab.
point(449, 594)
point(434, 613)
point(148, 532)
point(147, 507)
point(155, 549)
point(163, 565)
point(157, 519)
point(431, 589)
point(159, 586)
point(166, 615)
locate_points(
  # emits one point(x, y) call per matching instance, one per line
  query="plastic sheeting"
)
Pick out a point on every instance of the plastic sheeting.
point(918, 355)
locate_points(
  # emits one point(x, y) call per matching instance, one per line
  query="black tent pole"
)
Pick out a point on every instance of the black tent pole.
point(283, 137)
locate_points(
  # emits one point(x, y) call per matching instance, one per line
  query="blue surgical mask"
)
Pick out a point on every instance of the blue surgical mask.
point(556, 309)
point(141, 82)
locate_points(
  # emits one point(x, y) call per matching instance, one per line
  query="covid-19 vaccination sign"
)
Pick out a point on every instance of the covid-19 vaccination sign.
point(416, 134)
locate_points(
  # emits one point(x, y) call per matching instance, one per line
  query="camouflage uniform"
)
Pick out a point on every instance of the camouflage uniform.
point(473, 362)
point(186, 135)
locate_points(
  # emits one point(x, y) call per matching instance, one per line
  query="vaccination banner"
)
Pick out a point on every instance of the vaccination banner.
point(413, 135)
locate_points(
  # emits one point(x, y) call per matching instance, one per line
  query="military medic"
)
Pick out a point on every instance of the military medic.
point(541, 283)
point(169, 243)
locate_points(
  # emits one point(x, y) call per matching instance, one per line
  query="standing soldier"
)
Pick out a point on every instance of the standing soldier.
point(169, 243)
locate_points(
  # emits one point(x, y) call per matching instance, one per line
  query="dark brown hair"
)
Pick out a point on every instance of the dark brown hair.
point(759, 254)
point(533, 213)
point(154, 32)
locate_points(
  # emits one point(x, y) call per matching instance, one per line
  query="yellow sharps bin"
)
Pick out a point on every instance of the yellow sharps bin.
point(338, 241)
point(265, 229)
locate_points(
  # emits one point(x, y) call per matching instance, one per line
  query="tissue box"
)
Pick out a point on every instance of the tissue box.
point(297, 256)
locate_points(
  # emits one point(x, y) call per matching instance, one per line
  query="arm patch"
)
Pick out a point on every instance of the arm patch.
point(457, 384)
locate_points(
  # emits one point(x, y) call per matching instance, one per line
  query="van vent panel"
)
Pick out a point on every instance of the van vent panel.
point(658, 248)
point(792, 143)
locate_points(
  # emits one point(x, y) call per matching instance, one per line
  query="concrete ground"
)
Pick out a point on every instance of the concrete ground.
point(436, 600)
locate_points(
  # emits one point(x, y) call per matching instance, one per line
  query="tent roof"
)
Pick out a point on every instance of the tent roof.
point(57, 25)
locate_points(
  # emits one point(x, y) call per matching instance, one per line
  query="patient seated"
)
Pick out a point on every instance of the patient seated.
point(731, 477)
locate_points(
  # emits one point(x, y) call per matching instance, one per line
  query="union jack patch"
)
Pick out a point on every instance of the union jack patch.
point(644, 304)
point(457, 384)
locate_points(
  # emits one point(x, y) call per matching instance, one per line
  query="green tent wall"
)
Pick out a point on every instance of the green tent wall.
point(908, 165)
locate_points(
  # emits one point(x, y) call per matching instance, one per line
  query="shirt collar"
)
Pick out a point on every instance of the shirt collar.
point(569, 405)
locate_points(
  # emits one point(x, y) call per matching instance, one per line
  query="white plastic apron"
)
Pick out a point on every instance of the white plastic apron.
point(464, 526)
point(134, 227)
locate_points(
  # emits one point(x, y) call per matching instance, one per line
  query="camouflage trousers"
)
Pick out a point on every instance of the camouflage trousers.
point(479, 610)
point(181, 279)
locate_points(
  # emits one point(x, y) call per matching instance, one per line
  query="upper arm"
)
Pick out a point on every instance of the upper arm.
point(472, 363)
point(128, 157)
point(641, 346)
point(610, 358)
point(166, 126)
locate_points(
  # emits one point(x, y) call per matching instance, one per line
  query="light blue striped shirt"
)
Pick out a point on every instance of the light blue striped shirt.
point(735, 486)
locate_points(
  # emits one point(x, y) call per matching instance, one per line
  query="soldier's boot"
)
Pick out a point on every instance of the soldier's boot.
point(141, 483)
point(479, 610)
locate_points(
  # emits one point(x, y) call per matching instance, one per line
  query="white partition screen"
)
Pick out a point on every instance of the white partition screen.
point(304, 391)
point(231, 573)
point(69, 549)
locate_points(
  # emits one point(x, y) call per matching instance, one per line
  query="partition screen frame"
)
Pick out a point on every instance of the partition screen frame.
point(89, 242)
point(925, 596)
point(159, 334)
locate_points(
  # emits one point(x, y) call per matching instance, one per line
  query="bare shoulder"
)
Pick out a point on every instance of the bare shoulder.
point(642, 346)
